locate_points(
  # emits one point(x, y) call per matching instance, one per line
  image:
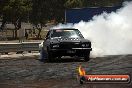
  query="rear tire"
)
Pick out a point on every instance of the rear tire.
point(86, 56)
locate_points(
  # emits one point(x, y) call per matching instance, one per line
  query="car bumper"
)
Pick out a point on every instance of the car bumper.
point(70, 52)
point(73, 49)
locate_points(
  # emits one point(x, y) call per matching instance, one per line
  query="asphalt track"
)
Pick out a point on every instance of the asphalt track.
point(30, 72)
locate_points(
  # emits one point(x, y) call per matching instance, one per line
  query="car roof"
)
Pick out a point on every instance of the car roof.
point(64, 29)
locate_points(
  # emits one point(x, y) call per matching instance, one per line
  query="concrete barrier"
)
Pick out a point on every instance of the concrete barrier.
point(19, 47)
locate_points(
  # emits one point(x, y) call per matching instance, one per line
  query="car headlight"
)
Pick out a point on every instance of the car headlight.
point(85, 45)
point(55, 46)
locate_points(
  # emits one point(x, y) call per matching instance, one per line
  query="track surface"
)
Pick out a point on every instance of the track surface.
point(32, 73)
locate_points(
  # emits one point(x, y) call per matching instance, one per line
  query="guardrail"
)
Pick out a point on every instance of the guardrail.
point(19, 47)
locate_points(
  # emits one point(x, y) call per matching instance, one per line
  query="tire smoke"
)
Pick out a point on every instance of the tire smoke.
point(110, 34)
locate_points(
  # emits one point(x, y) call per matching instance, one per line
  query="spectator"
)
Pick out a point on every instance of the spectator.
point(26, 34)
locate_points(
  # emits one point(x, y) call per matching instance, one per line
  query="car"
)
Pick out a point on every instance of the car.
point(66, 42)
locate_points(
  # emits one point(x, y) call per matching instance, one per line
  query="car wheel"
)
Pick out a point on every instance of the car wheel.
point(86, 56)
point(50, 56)
point(43, 55)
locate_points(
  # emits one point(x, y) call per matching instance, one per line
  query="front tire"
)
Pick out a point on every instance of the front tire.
point(86, 56)
point(50, 56)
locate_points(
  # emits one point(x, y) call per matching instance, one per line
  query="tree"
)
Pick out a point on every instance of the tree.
point(91, 3)
point(15, 11)
point(38, 15)
point(2, 4)
point(100, 3)
point(46, 10)
point(74, 3)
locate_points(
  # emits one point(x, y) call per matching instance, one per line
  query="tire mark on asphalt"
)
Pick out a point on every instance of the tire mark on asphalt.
point(109, 62)
point(113, 69)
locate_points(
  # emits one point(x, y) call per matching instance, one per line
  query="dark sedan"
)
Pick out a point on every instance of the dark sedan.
point(66, 42)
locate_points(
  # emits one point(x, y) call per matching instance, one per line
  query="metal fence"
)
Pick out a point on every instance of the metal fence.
point(19, 47)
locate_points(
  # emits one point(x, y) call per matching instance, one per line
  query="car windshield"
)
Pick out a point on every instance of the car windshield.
point(68, 33)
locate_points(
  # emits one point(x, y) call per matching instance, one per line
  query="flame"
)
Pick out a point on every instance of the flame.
point(81, 71)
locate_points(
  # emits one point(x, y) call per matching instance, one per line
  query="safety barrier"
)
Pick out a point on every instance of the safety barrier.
point(19, 47)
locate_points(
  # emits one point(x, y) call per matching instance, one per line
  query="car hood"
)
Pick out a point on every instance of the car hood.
point(70, 40)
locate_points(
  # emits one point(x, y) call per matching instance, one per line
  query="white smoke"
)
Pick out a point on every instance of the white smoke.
point(110, 34)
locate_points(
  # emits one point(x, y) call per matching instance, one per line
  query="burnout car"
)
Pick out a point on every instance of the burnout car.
point(66, 42)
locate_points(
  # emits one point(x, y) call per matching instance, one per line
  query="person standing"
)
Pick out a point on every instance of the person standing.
point(21, 34)
point(26, 34)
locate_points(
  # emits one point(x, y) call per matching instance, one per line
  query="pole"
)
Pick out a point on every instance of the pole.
point(65, 16)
